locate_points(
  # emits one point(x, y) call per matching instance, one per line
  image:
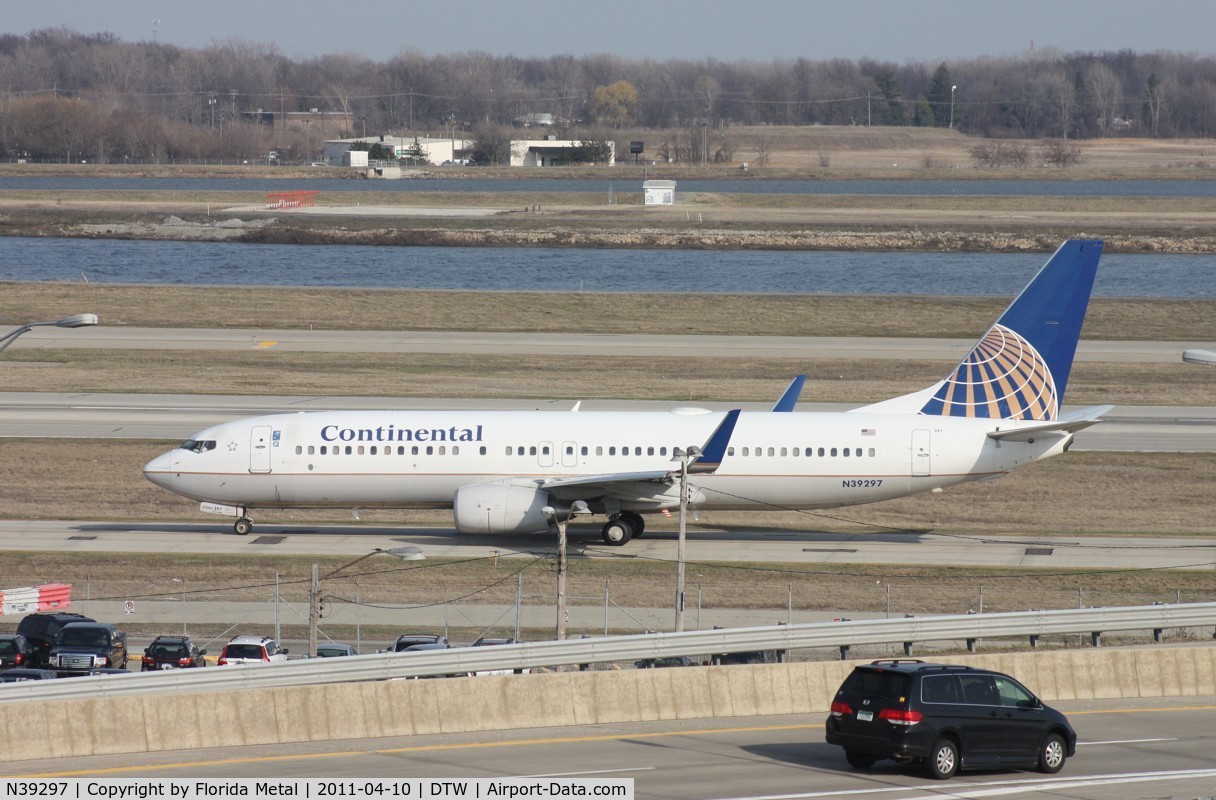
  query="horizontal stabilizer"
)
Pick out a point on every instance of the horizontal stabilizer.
point(1071, 423)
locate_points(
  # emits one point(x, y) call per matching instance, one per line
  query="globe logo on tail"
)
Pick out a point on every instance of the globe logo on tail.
point(1004, 377)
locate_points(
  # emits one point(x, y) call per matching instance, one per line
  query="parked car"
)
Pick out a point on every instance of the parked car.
point(409, 640)
point(40, 631)
point(488, 642)
point(172, 652)
point(335, 650)
point(945, 717)
point(15, 651)
point(22, 674)
point(669, 661)
point(81, 646)
point(252, 650)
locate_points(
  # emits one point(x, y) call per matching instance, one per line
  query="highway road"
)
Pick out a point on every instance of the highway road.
point(175, 417)
point(1128, 750)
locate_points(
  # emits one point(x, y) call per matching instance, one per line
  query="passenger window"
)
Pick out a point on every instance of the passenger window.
point(324, 450)
point(871, 452)
point(979, 690)
point(611, 451)
point(310, 449)
point(299, 450)
point(821, 452)
point(796, 453)
point(745, 451)
point(649, 451)
point(784, 452)
point(585, 450)
point(348, 450)
point(443, 450)
point(400, 449)
point(772, 451)
point(846, 452)
point(663, 451)
point(939, 689)
point(483, 450)
point(360, 449)
point(599, 450)
point(1013, 694)
point(833, 452)
point(414, 450)
point(532, 450)
point(372, 450)
point(430, 450)
point(544, 450)
point(730, 451)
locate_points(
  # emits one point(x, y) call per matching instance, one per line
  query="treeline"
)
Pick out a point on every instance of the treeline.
point(66, 95)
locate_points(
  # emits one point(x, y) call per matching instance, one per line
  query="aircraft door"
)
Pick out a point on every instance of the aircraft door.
point(544, 454)
point(569, 454)
point(922, 465)
point(259, 448)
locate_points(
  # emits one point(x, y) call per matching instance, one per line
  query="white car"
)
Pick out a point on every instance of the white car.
point(252, 650)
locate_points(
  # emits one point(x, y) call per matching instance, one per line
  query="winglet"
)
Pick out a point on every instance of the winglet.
point(715, 447)
point(789, 398)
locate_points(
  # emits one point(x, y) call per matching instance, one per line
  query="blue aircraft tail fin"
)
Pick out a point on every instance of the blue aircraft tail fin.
point(1020, 369)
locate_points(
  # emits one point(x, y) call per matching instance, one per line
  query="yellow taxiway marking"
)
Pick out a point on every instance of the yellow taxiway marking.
point(266, 344)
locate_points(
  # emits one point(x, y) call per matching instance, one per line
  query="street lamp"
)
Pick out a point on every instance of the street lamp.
point(953, 89)
point(75, 321)
point(684, 457)
point(314, 589)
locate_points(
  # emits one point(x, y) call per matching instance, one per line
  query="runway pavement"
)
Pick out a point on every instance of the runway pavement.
point(562, 344)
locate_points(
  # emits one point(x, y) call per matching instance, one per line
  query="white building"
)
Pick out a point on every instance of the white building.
point(548, 152)
point(438, 149)
point(659, 193)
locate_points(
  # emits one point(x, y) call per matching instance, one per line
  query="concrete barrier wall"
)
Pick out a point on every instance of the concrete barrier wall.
point(103, 725)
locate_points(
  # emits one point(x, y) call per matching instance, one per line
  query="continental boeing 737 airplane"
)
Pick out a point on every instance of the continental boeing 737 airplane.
point(520, 471)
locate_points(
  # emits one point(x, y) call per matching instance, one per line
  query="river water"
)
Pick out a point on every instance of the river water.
point(574, 269)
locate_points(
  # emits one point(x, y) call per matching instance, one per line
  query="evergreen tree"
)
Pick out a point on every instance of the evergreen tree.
point(939, 95)
point(888, 83)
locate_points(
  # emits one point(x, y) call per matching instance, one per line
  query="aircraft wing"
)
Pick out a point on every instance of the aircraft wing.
point(1077, 420)
point(606, 479)
point(707, 460)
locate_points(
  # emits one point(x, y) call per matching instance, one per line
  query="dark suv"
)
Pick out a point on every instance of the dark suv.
point(83, 646)
point(946, 718)
point(15, 651)
point(40, 631)
point(172, 652)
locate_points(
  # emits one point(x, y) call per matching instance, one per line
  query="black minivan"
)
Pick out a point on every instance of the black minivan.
point(945, 717)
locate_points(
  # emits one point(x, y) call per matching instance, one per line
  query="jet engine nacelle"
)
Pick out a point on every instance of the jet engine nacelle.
point(500, 508)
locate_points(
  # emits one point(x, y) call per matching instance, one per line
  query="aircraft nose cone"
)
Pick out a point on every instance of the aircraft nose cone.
point(158, 469)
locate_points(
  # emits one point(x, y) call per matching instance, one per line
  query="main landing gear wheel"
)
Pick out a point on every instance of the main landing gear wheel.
point(618, 531)
point(638, 523)
point(243, 526)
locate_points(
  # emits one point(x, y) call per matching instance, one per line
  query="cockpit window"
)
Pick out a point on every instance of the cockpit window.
point(198, 445)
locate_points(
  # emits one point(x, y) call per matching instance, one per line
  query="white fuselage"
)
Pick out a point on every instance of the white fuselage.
point(418, 459)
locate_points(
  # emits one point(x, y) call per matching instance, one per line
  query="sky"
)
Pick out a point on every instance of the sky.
point(901, 31)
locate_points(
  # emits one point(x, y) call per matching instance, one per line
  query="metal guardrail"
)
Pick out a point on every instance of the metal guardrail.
point(466, 660)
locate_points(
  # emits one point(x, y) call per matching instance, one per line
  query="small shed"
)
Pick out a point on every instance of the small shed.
point(659, 193)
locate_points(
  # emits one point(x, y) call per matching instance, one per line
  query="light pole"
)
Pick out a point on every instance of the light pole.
point(953, 89)
point(684, 457)
point(76, 321)
point(314, 589)
point(550, 513)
